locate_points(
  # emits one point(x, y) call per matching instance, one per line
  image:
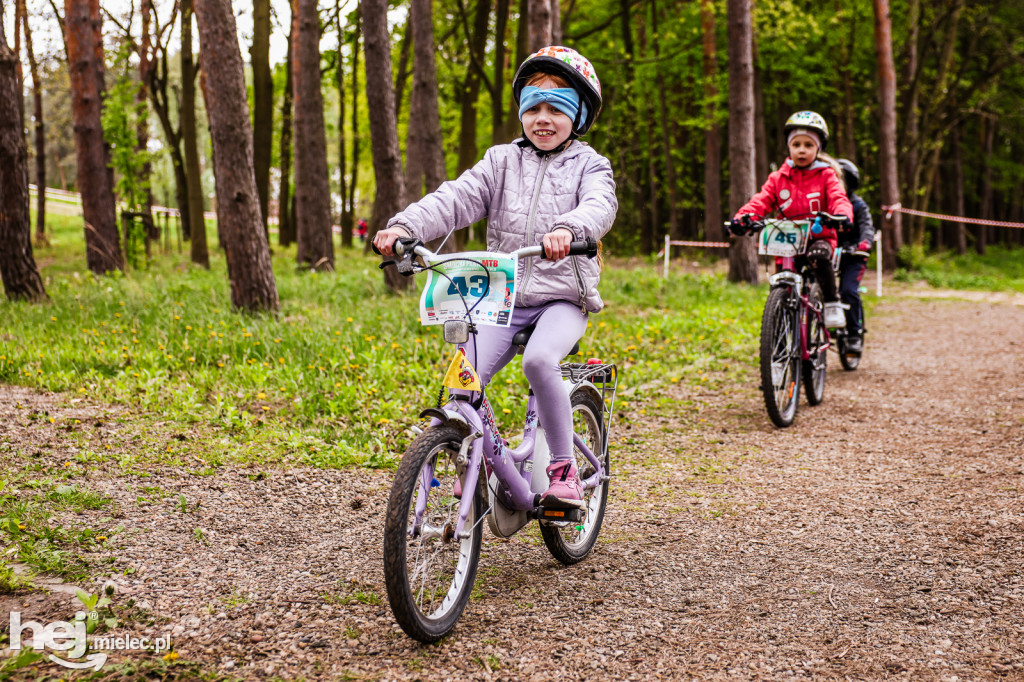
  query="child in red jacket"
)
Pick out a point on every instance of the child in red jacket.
point(806, 185)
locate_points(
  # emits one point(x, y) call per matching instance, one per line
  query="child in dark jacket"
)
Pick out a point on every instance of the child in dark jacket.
point(852, 266)
point(806, 185)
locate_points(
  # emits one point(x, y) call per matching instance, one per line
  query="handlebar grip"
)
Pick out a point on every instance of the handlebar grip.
point(373, 247)
point(586, 247)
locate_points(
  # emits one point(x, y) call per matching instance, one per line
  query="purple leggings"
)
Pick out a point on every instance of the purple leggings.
point(559, 326)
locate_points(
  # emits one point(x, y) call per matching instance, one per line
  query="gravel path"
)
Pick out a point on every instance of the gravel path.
point(880, 536)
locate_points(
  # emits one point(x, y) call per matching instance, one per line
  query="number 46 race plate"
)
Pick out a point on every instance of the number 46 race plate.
point(482, 281)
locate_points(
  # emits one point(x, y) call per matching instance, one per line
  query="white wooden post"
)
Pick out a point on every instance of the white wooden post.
point(878, 264)
point(665, 273)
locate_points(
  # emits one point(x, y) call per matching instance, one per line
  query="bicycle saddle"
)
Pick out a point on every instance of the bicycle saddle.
point(522, 337)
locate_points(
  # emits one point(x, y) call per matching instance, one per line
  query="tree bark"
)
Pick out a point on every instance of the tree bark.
point(40, 135)
point(263, 102)
point(713, 133)
point(889, 172)
point(17, 265)
point(424, 150)
point(958, 191)
point(742, 252)
point(674, 228)
point(981, 242)
point(95, 177)
point(245, 243)
point(199, 250)
point(285, 224)
point(470, 95)
point(312, 187)
point(540, 24)
point(760, 130)
point(356, 146)
point(498, 109)
point(380, 97)
point(345, 220)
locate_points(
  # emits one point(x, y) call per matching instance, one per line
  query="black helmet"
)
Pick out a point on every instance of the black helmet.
point(851, 176)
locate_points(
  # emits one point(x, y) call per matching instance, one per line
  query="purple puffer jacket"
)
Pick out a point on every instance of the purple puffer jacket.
point(523, 196)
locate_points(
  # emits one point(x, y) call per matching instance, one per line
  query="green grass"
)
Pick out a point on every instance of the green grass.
point(337, 375)
point(1000, 269)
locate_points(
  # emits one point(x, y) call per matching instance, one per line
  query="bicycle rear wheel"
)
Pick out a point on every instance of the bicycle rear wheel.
point(429, 572)
point(571, 542)
point(849, 361)
point(815, 366)
point(780, 357)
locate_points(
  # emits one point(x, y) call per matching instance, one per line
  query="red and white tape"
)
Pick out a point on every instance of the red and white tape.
point(889, 210)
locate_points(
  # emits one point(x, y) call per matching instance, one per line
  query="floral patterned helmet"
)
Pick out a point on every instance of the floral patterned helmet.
point(573, 67)
point(810, 121)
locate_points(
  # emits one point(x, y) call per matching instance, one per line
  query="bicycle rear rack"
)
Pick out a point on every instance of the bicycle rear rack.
point(604, 377)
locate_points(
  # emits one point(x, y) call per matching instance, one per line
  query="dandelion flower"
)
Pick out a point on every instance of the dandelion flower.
point(261, 395)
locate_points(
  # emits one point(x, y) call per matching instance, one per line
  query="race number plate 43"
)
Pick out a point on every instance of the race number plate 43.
point(482, 281)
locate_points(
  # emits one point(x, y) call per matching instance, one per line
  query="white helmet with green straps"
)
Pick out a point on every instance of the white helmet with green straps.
point(808, 120)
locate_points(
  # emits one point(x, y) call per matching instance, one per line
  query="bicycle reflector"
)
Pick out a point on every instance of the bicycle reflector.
point(595, 361)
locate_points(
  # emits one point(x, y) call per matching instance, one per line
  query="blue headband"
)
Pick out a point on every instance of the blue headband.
point(566, 100)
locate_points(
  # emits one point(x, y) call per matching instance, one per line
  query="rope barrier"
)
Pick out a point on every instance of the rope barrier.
point(720, 245)
point(889, 210)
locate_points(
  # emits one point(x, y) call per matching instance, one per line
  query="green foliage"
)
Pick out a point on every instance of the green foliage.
point(1000, 269)
point(338, 375)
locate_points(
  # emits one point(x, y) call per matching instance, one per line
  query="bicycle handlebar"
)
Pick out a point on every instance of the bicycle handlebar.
point(407, 247)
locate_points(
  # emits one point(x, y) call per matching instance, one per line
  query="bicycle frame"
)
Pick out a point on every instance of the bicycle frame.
point(486, 444)
point(789, 275)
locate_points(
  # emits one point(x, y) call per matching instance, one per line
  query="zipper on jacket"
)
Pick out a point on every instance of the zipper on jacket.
point(579, 286)
point(531, 216)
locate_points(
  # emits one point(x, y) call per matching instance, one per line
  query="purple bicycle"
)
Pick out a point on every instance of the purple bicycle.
point(459, 471)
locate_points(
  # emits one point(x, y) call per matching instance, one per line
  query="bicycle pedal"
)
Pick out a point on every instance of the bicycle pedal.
point(555, 514)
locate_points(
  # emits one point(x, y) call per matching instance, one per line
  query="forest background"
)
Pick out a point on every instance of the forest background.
point(664, 67)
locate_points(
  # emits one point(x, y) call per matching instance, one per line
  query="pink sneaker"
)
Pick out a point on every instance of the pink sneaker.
point(565, 489)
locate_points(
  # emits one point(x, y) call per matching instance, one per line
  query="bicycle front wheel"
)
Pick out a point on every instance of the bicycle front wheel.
point(428, 570)
point(570, 542)
point(815, 365)
point(780, 357)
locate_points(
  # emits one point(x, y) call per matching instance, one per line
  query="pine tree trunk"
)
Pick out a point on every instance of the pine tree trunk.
point(285, 224)
point(95, 177)
point(380, 97)
point(238, 213)
point(674, 226)
point(263, 102)
point(17, 265)
point(981, 243)
point(40, 136)
point(742, 252)
point(424, 152)
point(713, 135)
point(312, 187)
point(958, 191)
point(355, 124)
point(540, 24)
point(193, 181)
point(345, 220)
point(498, 109)
point(889, 175)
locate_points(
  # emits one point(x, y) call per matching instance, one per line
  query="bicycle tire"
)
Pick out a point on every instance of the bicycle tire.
point(816, 365)
point(780, 357)
point(571, 543)
point(428, 572)
point(849, 361)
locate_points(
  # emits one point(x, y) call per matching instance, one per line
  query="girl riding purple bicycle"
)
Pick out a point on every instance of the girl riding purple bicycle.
point(546, 187)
